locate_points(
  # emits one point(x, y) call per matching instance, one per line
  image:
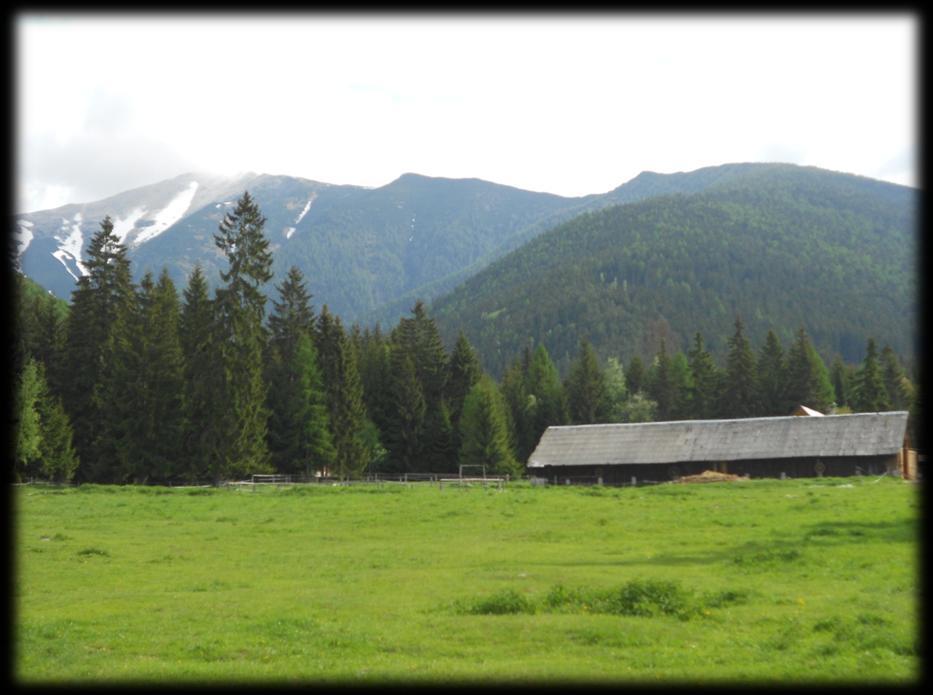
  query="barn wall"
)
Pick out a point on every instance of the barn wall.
point(621, 474)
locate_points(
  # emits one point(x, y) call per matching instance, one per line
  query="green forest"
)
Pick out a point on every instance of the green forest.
point(782, 247)
point(138, 382)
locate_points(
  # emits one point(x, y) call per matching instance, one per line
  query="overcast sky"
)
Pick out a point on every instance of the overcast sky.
point(570, 104)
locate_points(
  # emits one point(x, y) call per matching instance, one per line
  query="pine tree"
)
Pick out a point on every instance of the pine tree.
point(404, 433)
point(94, 328)
point(870, 394)
point(840, 376)
point(682, 380)
point(292, 315)
point(771, 387)
point(704, 396)
point(547, 401)
point(807, 377)
point(158, 450)
point(587, 398)
point(240, 306)
point(519, 406)
point(463, 371)
point(660, 386)
point(28, 439)
point(299, 424)
point(738, 395)
point(615, 388)
point(896, 383)
point(58, 460)
point(204, 385)
point(635, 375)
point(344, 397)
point(484, 431)
point(375, 371)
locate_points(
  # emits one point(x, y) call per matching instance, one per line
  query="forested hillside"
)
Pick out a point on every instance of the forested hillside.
point(779, 245)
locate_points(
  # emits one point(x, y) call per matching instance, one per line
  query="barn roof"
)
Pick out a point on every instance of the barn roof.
point(859, 434)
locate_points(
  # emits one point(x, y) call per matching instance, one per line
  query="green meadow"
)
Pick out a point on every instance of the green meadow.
point(796, 581)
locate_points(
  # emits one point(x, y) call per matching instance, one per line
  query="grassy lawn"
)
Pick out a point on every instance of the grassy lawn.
point(804, 581)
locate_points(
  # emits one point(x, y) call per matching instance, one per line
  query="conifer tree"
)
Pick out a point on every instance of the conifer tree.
point(204, 385)
point(519, 406)
point(772, 396)
point(870, 394)
point(100, 304)
point(896, 383)
point(240, 305)
point(57, 460)
point(484, 430)
point(704, 396)
point(463, 371)
point(28, 433)
point(375, 371)
point(406, 419)
point(682, 380)
point(840, 377)
point(635, 375)
point(807, 377)
point(344, 397)
point(157, 449)
point(547, 401)
point(738, 395)
point(587, 398)
point(299, 424)
point(661, 387)
point(615, 388)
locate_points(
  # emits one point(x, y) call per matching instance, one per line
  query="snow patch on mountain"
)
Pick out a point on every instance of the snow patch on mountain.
point(288, 232)
point(70, 242)
point(125, 225)
point(307, 207)
point(169, 215)
point(24, 235)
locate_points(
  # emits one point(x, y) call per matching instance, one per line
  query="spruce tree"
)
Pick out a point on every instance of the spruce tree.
point(519, 406)
point(204, 385)
point(738, 394)
point(870, 394)
point(840, 376)
point(660, 384)
point(240, 305)
point(57, 457)
point(615, 388)
point(771, 387)
point(704, 396)
point(406, 420)
point(28, 431)
point(100, 304)
point(463, 371)
point(635, 375)
point(546, 398)
point(157, 449)
point(484, 431)
point(587, 398)
point(896, 383)
point(344, 388)
point(682, 380)
point(807, 377)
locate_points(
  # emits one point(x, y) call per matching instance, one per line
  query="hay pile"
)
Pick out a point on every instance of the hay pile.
point(711, 477)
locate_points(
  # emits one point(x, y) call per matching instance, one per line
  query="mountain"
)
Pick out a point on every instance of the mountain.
point(358, 247)
point(782, 246)
point(368, 253)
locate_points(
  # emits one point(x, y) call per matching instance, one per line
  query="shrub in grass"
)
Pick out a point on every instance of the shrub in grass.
point(725, 598)
point(88, 552)
point(651, 597)
point(502, 603)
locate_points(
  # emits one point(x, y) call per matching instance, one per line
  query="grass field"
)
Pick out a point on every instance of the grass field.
point(805, 581)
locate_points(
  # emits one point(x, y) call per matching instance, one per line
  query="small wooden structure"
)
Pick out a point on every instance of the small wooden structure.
point(769, 447)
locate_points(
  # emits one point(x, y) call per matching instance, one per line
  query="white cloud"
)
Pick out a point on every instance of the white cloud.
point(571, 105)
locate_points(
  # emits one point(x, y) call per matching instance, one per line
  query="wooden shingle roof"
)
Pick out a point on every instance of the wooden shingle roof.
point(859, 434)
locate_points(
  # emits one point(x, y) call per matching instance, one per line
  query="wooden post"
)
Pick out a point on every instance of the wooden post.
point(634, 481)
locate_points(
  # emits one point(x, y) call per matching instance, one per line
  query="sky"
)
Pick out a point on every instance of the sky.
point(566, 104)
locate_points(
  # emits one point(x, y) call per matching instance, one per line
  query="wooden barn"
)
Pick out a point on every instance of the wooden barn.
point(766, 447)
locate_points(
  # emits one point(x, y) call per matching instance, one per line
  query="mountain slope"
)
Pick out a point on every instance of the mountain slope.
point(780, 245)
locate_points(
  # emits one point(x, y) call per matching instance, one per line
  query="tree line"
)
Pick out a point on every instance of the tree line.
point(134, 384)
